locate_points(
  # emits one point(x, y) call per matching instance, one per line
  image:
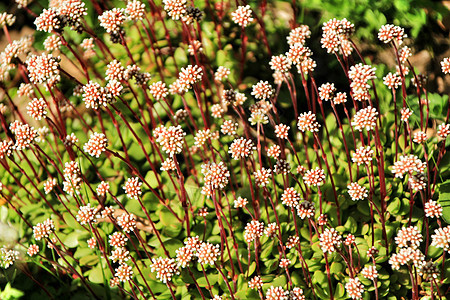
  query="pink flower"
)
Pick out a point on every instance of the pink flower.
point(389, 33)
point(242, 16)
point(96, 144)
point(112, 19)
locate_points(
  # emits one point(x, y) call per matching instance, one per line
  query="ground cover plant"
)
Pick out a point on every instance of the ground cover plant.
point(187, 150)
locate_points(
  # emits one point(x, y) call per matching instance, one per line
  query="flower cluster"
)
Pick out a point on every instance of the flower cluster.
point(354, 288)
point(37, 108)
point(112, 19)
point(8, 257)
point(171, 139)
point(72, 178)
point(389, 33)
point(86, 214)
point(132, 188)
point(43, 230)
point(96, 96)
point(241, 148)
point(207, 253)
point(43, 68)
point(406, 256)
point(359, 75)
point(165, 268)
point(335, 37)
point(365, 118)
point(215, 177)
point(356, 191)
point(329, 240)
point(253, 230)
point(441, 238)
point(290, 197)
point(315, 177)
point(409, 237)
point(24, 133)
point(307, 122)
point(242, 16)
point(409, 164)
point(96, 144)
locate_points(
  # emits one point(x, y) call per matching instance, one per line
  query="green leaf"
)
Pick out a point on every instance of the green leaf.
point(212, 278)
point(252, 268)
point(96, 274)
point(320, 277)
point(394, 206)
point(336, 268)
point(351, 225)
point(71, 240)
point(150, 177)
point(339, 292)
point(10, 293)
point(89, 260)
point(180, 56)
point(444, 200)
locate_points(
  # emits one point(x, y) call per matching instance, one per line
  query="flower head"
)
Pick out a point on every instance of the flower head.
point(112, 19)
point(240, 202)
point(389, 33)
point(445, 64)
point(441, 238)
point(242, 16)
point(43, 68)
point(96, 144)
point(171, 139)
point(86, 214)
point(280, 63)
point(176, 9)
point(124, 272)
point(408, 165)
point(329, 240)
point(43, 230)
point(354, 288)
point(215, 175)
point(315, 177)
point(255, 283)
point(132, 187)
point(127, 222)
point(277, 293)
point(443, 130)
point(327, 91)
point(298, 35)
point(290, 197)
point(370, 272)
point(165, 268)
point(262, 176)
point(207, 253)
point(365, 119)
point(262, 90)
point(253, 230)
point(135, 10)
point(356, 191)
point(221, 73)
point(25, 134)
point(409, 237)
point(405, 113)
point(363, 155)
point(433, 209)
point(48, 20)
point(307, 122)
point(241, 148)
point(117, 239)
point(33, 250)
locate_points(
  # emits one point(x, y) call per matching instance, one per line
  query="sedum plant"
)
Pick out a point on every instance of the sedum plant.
point(164, 150)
